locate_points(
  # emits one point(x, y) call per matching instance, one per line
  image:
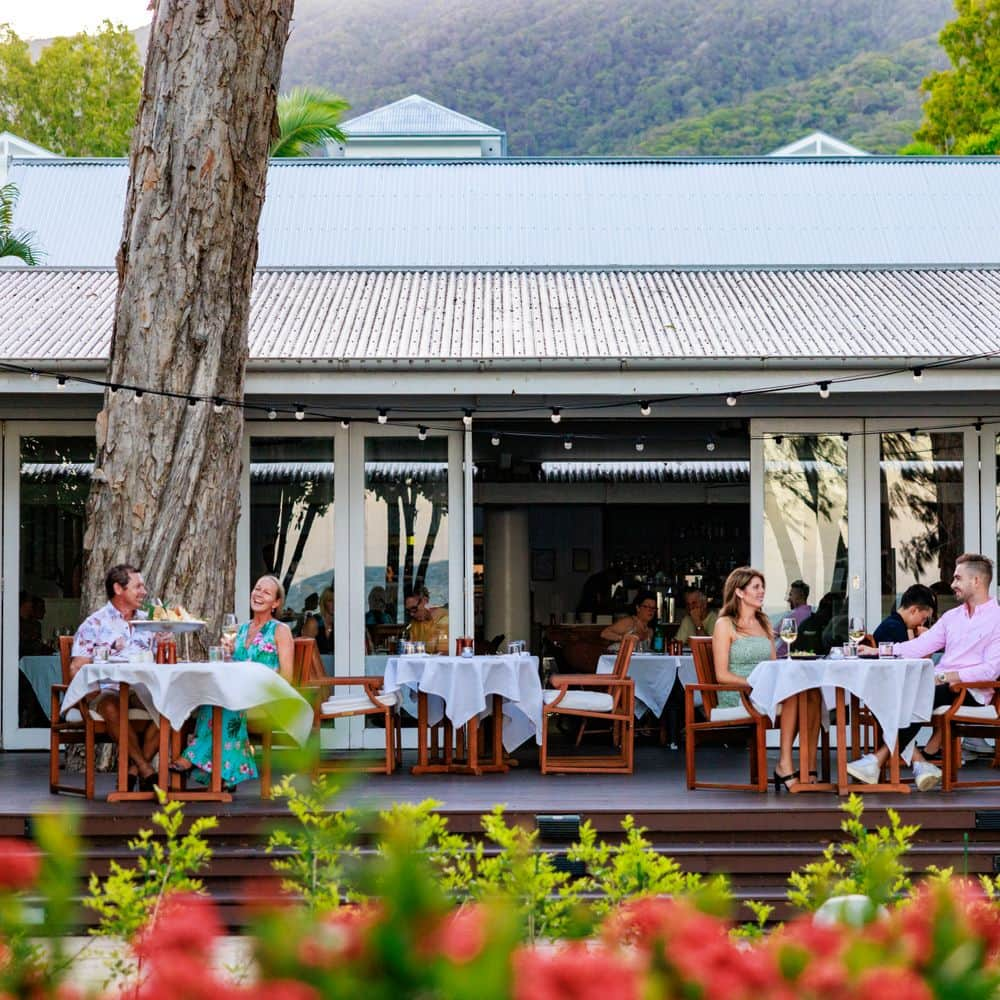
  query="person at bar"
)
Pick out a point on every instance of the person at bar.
point(917, 605)
point(427, 624)
point(320, 626)
point(111, 626)
point(263, 639)
point(639, 623)
point(698, 620)
point(969, 635)
point(743, 637)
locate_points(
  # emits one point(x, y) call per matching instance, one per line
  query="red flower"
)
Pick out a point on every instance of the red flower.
point(20, 864)
point(460, 936)
point(184, 929)
point(575, 971)
point(887, 981)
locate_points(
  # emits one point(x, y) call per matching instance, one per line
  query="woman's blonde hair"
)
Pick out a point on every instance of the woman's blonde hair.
point(740, 579)
point(279, 590)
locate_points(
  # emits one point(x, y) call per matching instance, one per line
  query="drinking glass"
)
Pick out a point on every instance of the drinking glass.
point(230, 626)
point(216, 654)
point(101, 652)
point(885, 649)
point(856, 629)
point(789, 632)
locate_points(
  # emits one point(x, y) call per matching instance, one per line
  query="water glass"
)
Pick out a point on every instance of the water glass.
point(216, 654)
point(851, 650)
point(885, 650)
point(101, 652)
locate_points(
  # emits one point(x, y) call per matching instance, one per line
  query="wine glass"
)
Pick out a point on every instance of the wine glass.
point(856, 629)
point(789, 632)
point(230, 626)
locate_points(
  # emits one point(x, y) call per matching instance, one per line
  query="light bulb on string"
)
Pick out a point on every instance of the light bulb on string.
point(556, 415)
point(216, 405)
point(467, 418)
point(495, 440)
point(60, 383)
point(272, 414)
point(113, 388)
point(192, 402)
point(383, 416)
point(300, 412)
point(644, 408)
point(422, 432)
point(918, 374)
point(640, 444)
point(138, 395)
point(824, 390)
point(34, 376)
point(845, 437)
point(779, 440)
point(710, 444)
point(730, 400)
point(978, 425)
point(568, 443)
point(345, 423)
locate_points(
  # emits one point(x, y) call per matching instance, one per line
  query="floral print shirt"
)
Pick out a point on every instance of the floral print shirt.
point(108, 626)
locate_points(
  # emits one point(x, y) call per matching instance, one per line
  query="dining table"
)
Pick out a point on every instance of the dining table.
point(460, 691)
point(896, 691)
point(655, 675)
point(172, 692)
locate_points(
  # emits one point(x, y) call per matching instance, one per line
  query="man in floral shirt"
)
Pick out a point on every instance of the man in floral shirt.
point(111, 626)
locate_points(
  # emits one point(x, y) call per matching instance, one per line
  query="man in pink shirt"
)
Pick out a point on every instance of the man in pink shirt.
point(970, 637)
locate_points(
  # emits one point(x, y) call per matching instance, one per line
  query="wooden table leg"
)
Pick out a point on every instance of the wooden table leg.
point(842, 784)
point(214, 792)
point(121, 793)
point(804, 784)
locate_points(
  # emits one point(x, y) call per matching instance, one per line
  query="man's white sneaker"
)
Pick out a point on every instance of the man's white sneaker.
point(926, 775)
point(977, 745)
point(865, 769)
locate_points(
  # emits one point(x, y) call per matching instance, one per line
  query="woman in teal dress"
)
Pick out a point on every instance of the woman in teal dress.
point(264, 640)
point(742, 637)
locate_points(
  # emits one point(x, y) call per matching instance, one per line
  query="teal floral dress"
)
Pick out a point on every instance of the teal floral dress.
point(237, 752)
point(745, 653)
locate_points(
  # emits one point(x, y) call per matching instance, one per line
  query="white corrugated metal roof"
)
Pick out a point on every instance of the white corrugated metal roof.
point(503, 213)
point(554, 316)
point(415, 115)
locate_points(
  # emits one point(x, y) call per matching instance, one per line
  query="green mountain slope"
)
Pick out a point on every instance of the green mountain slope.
point(872, 101)
point(578, 77)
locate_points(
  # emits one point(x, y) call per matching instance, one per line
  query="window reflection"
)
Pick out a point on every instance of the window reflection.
point(921, 512)
point(805, 532)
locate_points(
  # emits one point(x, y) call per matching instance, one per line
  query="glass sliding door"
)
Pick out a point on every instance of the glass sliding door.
point(47, 484)
point(805, 532)
point(921, 504)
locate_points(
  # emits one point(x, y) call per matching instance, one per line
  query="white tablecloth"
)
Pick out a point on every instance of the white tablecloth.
point(176, 690)
point(896, 692)
point(42, 672)
point(459, 688)
point(654, 676)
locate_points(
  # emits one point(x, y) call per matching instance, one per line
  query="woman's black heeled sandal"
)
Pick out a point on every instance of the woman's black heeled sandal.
point(783, 781)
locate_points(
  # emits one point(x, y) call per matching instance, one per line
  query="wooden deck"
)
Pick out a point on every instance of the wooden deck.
point(756, 839)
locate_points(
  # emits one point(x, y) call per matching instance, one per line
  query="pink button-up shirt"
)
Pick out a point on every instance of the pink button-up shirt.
point(971, 644)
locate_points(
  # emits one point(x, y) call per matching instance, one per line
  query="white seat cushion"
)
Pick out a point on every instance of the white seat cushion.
point(731, 714)
point(134, 714)
point(969, 712)
point(346, 704)
point(582, 701)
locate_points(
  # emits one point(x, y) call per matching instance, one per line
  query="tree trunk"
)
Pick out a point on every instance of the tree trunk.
point(166, 488)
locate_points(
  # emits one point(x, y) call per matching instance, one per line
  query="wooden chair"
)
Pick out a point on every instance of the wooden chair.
point(370, 702)
point(610, 697)
point(80, 726)
point(959, 720)
point(743, 720)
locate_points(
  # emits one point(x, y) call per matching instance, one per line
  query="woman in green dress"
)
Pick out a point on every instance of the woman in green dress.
point(264, 640)
point(741, 639)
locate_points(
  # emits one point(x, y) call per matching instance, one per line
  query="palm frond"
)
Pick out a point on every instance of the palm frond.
point(8, 199)
point(307, 117)
point(19, 245)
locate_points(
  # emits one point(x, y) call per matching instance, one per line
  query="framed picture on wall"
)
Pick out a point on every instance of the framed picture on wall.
point(581, 560)
point(543, 564)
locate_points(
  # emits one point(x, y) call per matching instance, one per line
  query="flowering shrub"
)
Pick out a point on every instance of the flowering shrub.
point(409, 937)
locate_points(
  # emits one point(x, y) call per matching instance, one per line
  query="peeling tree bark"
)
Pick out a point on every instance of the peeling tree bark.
point(166, 489)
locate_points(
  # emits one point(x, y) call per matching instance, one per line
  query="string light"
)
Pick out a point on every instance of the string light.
point(644, 408)
point(138, 395)
point(272, 414)
point(300, 412)
point(918, 374)
point(779, 440)
point(383, 416)
point(845, 437)
point(422, 432)
point(495, 440)
point(824, 390)
point(568, 443)
point(640, 444)
point(216, 405)
point(467, 418)
point(61, 383)
point(113, 389)
point(345, 423)
point(710, 444)
point(730, 400)
point(34, 376)
point(556, 415)
point(978, 425)
point(192, 402)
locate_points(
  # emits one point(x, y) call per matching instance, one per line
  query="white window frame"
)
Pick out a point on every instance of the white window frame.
point(988, 494)
point(15, 738)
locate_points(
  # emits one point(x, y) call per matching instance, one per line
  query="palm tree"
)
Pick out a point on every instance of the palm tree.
point(307, 117)
point(15, 244)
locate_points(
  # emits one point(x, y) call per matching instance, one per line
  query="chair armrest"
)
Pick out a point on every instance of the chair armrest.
point(322, 682)
point(589, 680)
point(961, 686)
point(716, 687)
point(55, 710)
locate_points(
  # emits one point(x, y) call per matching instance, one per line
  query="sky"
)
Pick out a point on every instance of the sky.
point(46, 18)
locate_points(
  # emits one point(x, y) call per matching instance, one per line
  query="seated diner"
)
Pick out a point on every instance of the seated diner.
point(639, 623)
